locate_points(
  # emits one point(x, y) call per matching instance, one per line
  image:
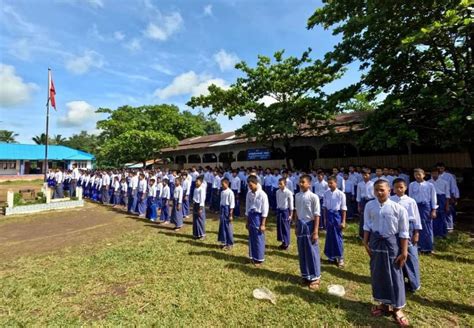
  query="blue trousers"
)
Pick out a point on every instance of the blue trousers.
point(283, 226)
point(226, 230)
point(256, 237)
point(308, 252)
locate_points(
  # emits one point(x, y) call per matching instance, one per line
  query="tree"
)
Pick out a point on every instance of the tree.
point(8, 136)
point(57, 140)
point(155, 127)
point(281, 95)
point(41, 139)
point(83, 141)
point(420, 54)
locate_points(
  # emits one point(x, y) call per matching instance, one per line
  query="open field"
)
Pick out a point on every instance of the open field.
point(96, 266)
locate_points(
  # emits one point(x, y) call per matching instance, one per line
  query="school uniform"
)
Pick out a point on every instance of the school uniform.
point(454, 194)
point(256, 208)
point(411, 269)
point(284, 209)
point(334, 204)
point(133, 190)
point(105, 188)
point(177, 215)
point(365, 193)
point(307, 207)
point(124, 194)
point(424, 194)
point(186, 192)
point(443, 195)
point(289, 185)
point(142, 199)
point(319, 188)
point(236, 185)
point(73, 184)
point(267, 185)
point(58, 182)
point(341, 183)
point(274, 182)
point(385, 222)
point(171, 179)
point(199, 219)
point(226, 230)
point(165, 197)
point(151, 212)
point(98, 188)
point(215, 198)
point(209, 179)
point(349, 192)
point(159, 192)
point(116, 189)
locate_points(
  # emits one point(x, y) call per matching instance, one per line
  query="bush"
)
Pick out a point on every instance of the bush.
point(18, 199)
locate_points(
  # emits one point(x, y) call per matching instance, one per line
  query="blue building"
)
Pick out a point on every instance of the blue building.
point(20, 159)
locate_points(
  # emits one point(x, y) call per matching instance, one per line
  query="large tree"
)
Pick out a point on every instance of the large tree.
point(280, 95)
point(418, 53)
point(8, 136)
point(83, 141)
point(41, 139)
point(132, 134)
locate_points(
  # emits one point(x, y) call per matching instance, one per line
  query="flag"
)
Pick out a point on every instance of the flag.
point(51, 90)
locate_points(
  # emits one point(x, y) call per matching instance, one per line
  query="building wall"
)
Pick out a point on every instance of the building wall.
point(9, 167)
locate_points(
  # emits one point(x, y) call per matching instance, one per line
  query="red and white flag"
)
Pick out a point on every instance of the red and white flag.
point(51, 90)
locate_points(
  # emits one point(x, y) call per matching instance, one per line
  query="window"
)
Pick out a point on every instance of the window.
point(7, 165)
point(194, 158)
point(181, 159)
point(209, 158)
point(13, 165)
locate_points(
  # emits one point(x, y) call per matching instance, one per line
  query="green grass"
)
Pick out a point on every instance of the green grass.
point(22, 182)
point(157, 277)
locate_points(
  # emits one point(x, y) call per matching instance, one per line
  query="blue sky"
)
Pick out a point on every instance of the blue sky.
point(108, 53)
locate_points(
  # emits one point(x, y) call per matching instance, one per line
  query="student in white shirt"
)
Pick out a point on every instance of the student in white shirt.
point(284, 211)
point(365, 193)
point(443, 195)
point(151, 212)
point(227, 205)
point(235, 185)
point(199, 210)
point(177, 212)
point(165, 198)
point(142, 195)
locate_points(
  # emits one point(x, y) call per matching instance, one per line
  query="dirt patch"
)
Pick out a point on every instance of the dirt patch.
point(53, 231)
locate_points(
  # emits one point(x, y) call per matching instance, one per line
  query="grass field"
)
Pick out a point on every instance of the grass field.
point(153, 276)
point(21, 182)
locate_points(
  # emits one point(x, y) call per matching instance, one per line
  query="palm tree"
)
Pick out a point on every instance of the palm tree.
point(58, 140)
point(8, 136)
point(40, 140)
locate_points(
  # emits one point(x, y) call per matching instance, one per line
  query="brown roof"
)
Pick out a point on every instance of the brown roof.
point(342, 123)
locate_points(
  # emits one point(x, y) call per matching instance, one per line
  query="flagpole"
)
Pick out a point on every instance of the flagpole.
point(47, 128)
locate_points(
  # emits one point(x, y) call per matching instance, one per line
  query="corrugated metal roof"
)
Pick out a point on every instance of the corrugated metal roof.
point(10, 151)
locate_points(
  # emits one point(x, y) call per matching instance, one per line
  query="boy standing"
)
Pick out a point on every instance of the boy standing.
point(443, 195)
point(307, 215)
point(383, 221)
point(365, 193)
point(284, 204)
point(256, 210)
point(199, 214)
point(177, 211)
point(227, 204)
point(335, 211)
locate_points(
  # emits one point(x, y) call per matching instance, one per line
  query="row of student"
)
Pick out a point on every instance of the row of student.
point(382, 223)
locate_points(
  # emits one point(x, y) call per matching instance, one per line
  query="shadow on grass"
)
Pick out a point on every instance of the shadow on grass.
point(347, 275)
point(171, 233)
point(262, 272)
point(453, 258)
point(442, 304)
point(283, 254)
point(197, 243)
point(356, 312)
point(220, 255)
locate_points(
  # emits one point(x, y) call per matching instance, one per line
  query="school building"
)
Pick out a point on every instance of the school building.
point(311, 150)
point(21, 159)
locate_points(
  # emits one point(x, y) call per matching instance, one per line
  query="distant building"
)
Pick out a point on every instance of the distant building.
point(20, 159)
point(311, 150)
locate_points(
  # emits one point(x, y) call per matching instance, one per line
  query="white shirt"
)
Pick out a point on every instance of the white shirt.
point(165, 193)
point(289, 185)
point(159, 189)
point(134, 182)
point(116, 185)
point(200, 195)
point(235, 183)
point(216, 182)
point(257, 201)
point(58, 176)
point(423, 192)
point(349, 187)
point(284, 199)
point(320, 187)
point(335, 200)
point(193, 175)
point(453, 186)
point(387, 219)
point(307, 206)
point(178, 194)
point(152, 190)
point(142, 185)
point(106, 179)
point(124, 186)
point(365, 190)
point(412, 209)
point(341, 183)
point(227, 198)
point(441, 187)
point(186, 186)
point(75, 173)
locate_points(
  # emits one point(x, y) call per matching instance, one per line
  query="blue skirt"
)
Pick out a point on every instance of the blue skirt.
point(142, 203)
point(425, 243)
point(151, 209)
point(256, 237)
point(177, 216)
point(440, 224)
point(308, 252)
point(388, 286)
point(226, 230)
point(334, 246)
point(199, 221)
point(411, 269)
point(283, 226)
point(165, 216)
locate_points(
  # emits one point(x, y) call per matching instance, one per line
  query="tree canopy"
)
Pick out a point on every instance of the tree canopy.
point(8, 136)
point(420, 54)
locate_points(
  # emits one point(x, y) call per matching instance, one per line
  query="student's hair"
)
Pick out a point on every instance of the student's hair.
point(225, 180)
point(305, 177)
point(252, 179)
point(321, 173)
point(381, 181)
point(177, 180)
point(200, 178)
point(419, 170)
point(282, 179)
point(366, 171)
point(399, 180)
point(440, 164)
point(434, 169)
point(332, 178)
point(152, 179)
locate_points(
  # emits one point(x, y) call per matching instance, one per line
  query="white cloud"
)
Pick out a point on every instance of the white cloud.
point(79, 113)
point(14, 91)
point(189, 83)
point(164, 26)
point(119, 36)
point(134, 45)
point(92, 3)
point(82, 64)
point(162, 69)
point(207, 10)
point(267, 101)
point(226, 60)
